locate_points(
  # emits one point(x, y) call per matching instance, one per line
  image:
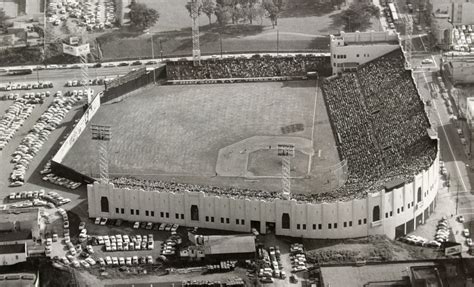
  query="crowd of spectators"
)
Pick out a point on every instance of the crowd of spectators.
point(378, 120)
point(242, 67)
point(380, 124)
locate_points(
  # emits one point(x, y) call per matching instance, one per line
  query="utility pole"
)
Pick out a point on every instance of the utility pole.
point(195, 7)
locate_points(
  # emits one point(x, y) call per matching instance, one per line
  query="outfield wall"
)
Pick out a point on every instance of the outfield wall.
point(393, 213)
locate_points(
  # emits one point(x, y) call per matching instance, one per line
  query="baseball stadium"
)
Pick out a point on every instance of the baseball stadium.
point(202, 147)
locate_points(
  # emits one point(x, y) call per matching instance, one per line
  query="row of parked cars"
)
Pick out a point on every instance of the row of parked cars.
point(37, 136)
point(26, 86)
point(298, 258)
point(88, 262)
point(32, 98)
point(156, 226)
point(125, 242)
point(14, 117)
point(61, 181)
point(92, 82)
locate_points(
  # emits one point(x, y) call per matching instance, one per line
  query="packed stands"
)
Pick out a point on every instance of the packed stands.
point(242, 67)
point(379, 123)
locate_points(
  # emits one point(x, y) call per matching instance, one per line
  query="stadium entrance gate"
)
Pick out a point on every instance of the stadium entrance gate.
point(400, 230)
point(269, 227)
point(255, 224)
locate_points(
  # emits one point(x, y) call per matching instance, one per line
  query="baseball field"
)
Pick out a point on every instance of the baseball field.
point(224, 134)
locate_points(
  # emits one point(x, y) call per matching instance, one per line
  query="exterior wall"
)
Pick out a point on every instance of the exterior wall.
point(460, 11)
point(359, 48)
point(13, 258)
point(310, 220)
point(33, 7)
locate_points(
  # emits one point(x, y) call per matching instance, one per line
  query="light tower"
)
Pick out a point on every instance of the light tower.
point(286, 152)
point(195, 7)
point(102, 135)
point(408, 20)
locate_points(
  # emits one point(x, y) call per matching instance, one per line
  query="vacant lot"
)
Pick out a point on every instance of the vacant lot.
point(303, 25)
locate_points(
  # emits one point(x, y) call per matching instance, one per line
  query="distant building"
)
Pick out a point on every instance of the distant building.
point(220, 247)
point(459, 67)
point(11, 254)
point(14, 8)
point(19, 279)
point(18, 224)
point(434, 273)
point(459, 12)
point(349, 50)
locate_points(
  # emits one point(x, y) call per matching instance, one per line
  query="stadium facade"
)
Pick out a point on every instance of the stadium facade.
point(394, 209)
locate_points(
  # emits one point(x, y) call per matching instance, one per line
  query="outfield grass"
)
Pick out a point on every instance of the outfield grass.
point(178, 130)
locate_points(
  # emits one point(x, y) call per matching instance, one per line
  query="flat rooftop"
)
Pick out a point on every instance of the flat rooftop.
point(20, 214)
point(12, 248)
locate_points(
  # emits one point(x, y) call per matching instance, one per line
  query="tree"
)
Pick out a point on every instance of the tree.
point(189, 5)
point(222, 14)
point(272, 11)
point(3, 19)
point(208, 7)
point(357, 16)
point(141, 16)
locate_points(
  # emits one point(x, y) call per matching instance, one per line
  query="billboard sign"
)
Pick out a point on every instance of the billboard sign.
point(73, 40)
point(76, 50)
point(78, 129)
point(453, 250)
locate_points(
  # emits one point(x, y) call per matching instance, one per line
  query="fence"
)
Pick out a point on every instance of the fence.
point(123, 88)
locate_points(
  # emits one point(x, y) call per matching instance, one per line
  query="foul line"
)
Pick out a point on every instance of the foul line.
point(310, 161)
point(447, 140)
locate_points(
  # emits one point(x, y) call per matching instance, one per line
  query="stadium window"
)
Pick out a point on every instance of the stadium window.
point(350, 223)
point(408, 205)
point(285, 221)
point(227, 220)
point(176, 215)
point(131, 211)
point(402, 208)
point(357, 55)
point(334, 56)
point(207, 218)
point(398, 210)
point(320, 226)
point(104, 204)
point(391, 213)
point(375, 213)
point(329, 225)
point(345, 224)
point(146, 212)
point(298, 226)
point(237, 221)
point(386, 214)
point(212, 218)
point(360, 221)
point(194, 213)
point(162, 214)
point(116, 210)
point(167, 215)
point(123, 210)
point(137, 211)
point(222, 219)
point(152, 213)
point(365, 220)
point(314, 226)
point(412, 203)
point(243, 221)
point(334, 64)
point(182, 215)
point(304, 226)
point(335, 225)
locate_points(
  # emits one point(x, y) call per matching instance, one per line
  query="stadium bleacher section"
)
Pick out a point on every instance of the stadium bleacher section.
point(378, 120)
point(254, 67)
point(380, 123)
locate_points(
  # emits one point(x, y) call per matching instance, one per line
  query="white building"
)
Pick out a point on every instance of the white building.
point(12, 254)
point(14, 8)
point(395, 211)
point(460, 12)
point(349, 50)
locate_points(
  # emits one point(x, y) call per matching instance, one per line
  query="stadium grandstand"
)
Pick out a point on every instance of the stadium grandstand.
point(380, 128)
